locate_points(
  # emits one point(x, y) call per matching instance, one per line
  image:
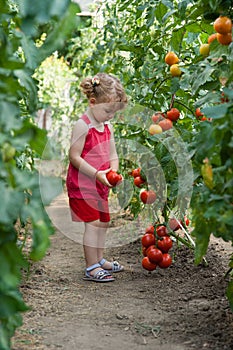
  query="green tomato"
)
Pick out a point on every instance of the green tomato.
point(8, 152)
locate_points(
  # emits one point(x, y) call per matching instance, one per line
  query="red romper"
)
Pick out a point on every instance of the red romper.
point(88, 198)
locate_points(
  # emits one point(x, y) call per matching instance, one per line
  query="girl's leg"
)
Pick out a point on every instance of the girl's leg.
point(93, 242)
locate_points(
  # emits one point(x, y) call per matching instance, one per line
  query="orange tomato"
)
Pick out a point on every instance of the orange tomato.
point(223, 25)
point(224, 39)
point(171, 58)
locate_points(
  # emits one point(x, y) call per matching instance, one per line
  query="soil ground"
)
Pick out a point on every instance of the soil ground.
point(183, 307)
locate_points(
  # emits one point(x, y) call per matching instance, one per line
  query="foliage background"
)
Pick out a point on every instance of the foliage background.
point(129, 39)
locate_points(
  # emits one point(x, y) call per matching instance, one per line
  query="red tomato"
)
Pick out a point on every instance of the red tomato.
point(136, 172)
point(156, 116)
point(173, 114)
point(186, 221)
point(174, 224)
point(150, 229)
point(166, 261)
point(148, 197)
point(113, 177)
point(166, 124)
point(148, 239)
point(198, 113)
point(146, 264)
point(161, 231)
point(138, 181)
point(144, 249)
point(154, 254)
point(165, 244)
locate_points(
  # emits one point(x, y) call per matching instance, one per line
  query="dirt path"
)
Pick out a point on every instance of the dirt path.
point(180, 308)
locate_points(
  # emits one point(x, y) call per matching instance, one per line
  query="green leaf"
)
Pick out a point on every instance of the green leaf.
point(41, 242)
point(11, 303)
point(216, 112)
point(11, 204)
point(61, 31)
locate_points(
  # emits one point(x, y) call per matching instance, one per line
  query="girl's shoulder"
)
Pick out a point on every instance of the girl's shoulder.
point(81, 126)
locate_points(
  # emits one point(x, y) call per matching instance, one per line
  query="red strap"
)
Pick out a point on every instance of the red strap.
point(85, 118)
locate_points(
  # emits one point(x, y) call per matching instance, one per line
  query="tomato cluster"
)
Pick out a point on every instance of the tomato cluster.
point(146, 196)
point(156, 244)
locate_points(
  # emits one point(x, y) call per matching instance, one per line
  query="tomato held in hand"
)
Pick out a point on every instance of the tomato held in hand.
point(166, 261)
point(148, 197)
point(148, 239)
point(113, 177)
point(165, 244)
point(147, 264)
point(161, 231)
point(154, 254)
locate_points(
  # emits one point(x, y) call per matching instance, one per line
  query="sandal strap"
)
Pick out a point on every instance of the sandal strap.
point(115, 265)
point(102, 261)
point(92, 267)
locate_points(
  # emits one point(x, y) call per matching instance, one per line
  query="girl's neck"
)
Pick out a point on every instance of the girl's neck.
point(94, 122)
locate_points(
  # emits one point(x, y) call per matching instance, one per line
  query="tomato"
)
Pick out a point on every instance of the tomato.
point(166, 124)
point(113, 177)
point(147, 264)
point(175, 70)
point(186, 221)
point(198, 113)
point(155, 129)
point(165, 244)
point(174, 224)
point(224, 39)
point(144, 249)
point(171, 58)
point(136, 172)
point(173, 114)
point(148, 239)
point(138, 181)
point(161, 231)
point(204, 49)
point(148, 197)
point(223, 25)
point(154, 254)
point(166, 261)
point(212, 37)
point(150, 229)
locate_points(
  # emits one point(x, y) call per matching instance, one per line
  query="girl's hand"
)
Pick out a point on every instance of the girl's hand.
point(101, 177)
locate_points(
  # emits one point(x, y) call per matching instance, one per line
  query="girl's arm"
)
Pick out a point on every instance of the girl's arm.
point(114, 160)
point(77, 144)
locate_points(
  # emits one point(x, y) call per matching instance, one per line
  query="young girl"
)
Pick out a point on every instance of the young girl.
point(92, 155)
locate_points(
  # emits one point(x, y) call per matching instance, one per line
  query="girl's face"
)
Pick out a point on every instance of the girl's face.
point(103, 112)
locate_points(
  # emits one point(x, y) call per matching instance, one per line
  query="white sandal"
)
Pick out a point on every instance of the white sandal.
point(99, 276)
point(116, 266)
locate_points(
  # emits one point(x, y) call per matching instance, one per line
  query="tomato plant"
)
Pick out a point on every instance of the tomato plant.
point(136, 38)
point(21, 141)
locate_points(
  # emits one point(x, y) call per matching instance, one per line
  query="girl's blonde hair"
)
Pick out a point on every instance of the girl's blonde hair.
point(104, 88)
